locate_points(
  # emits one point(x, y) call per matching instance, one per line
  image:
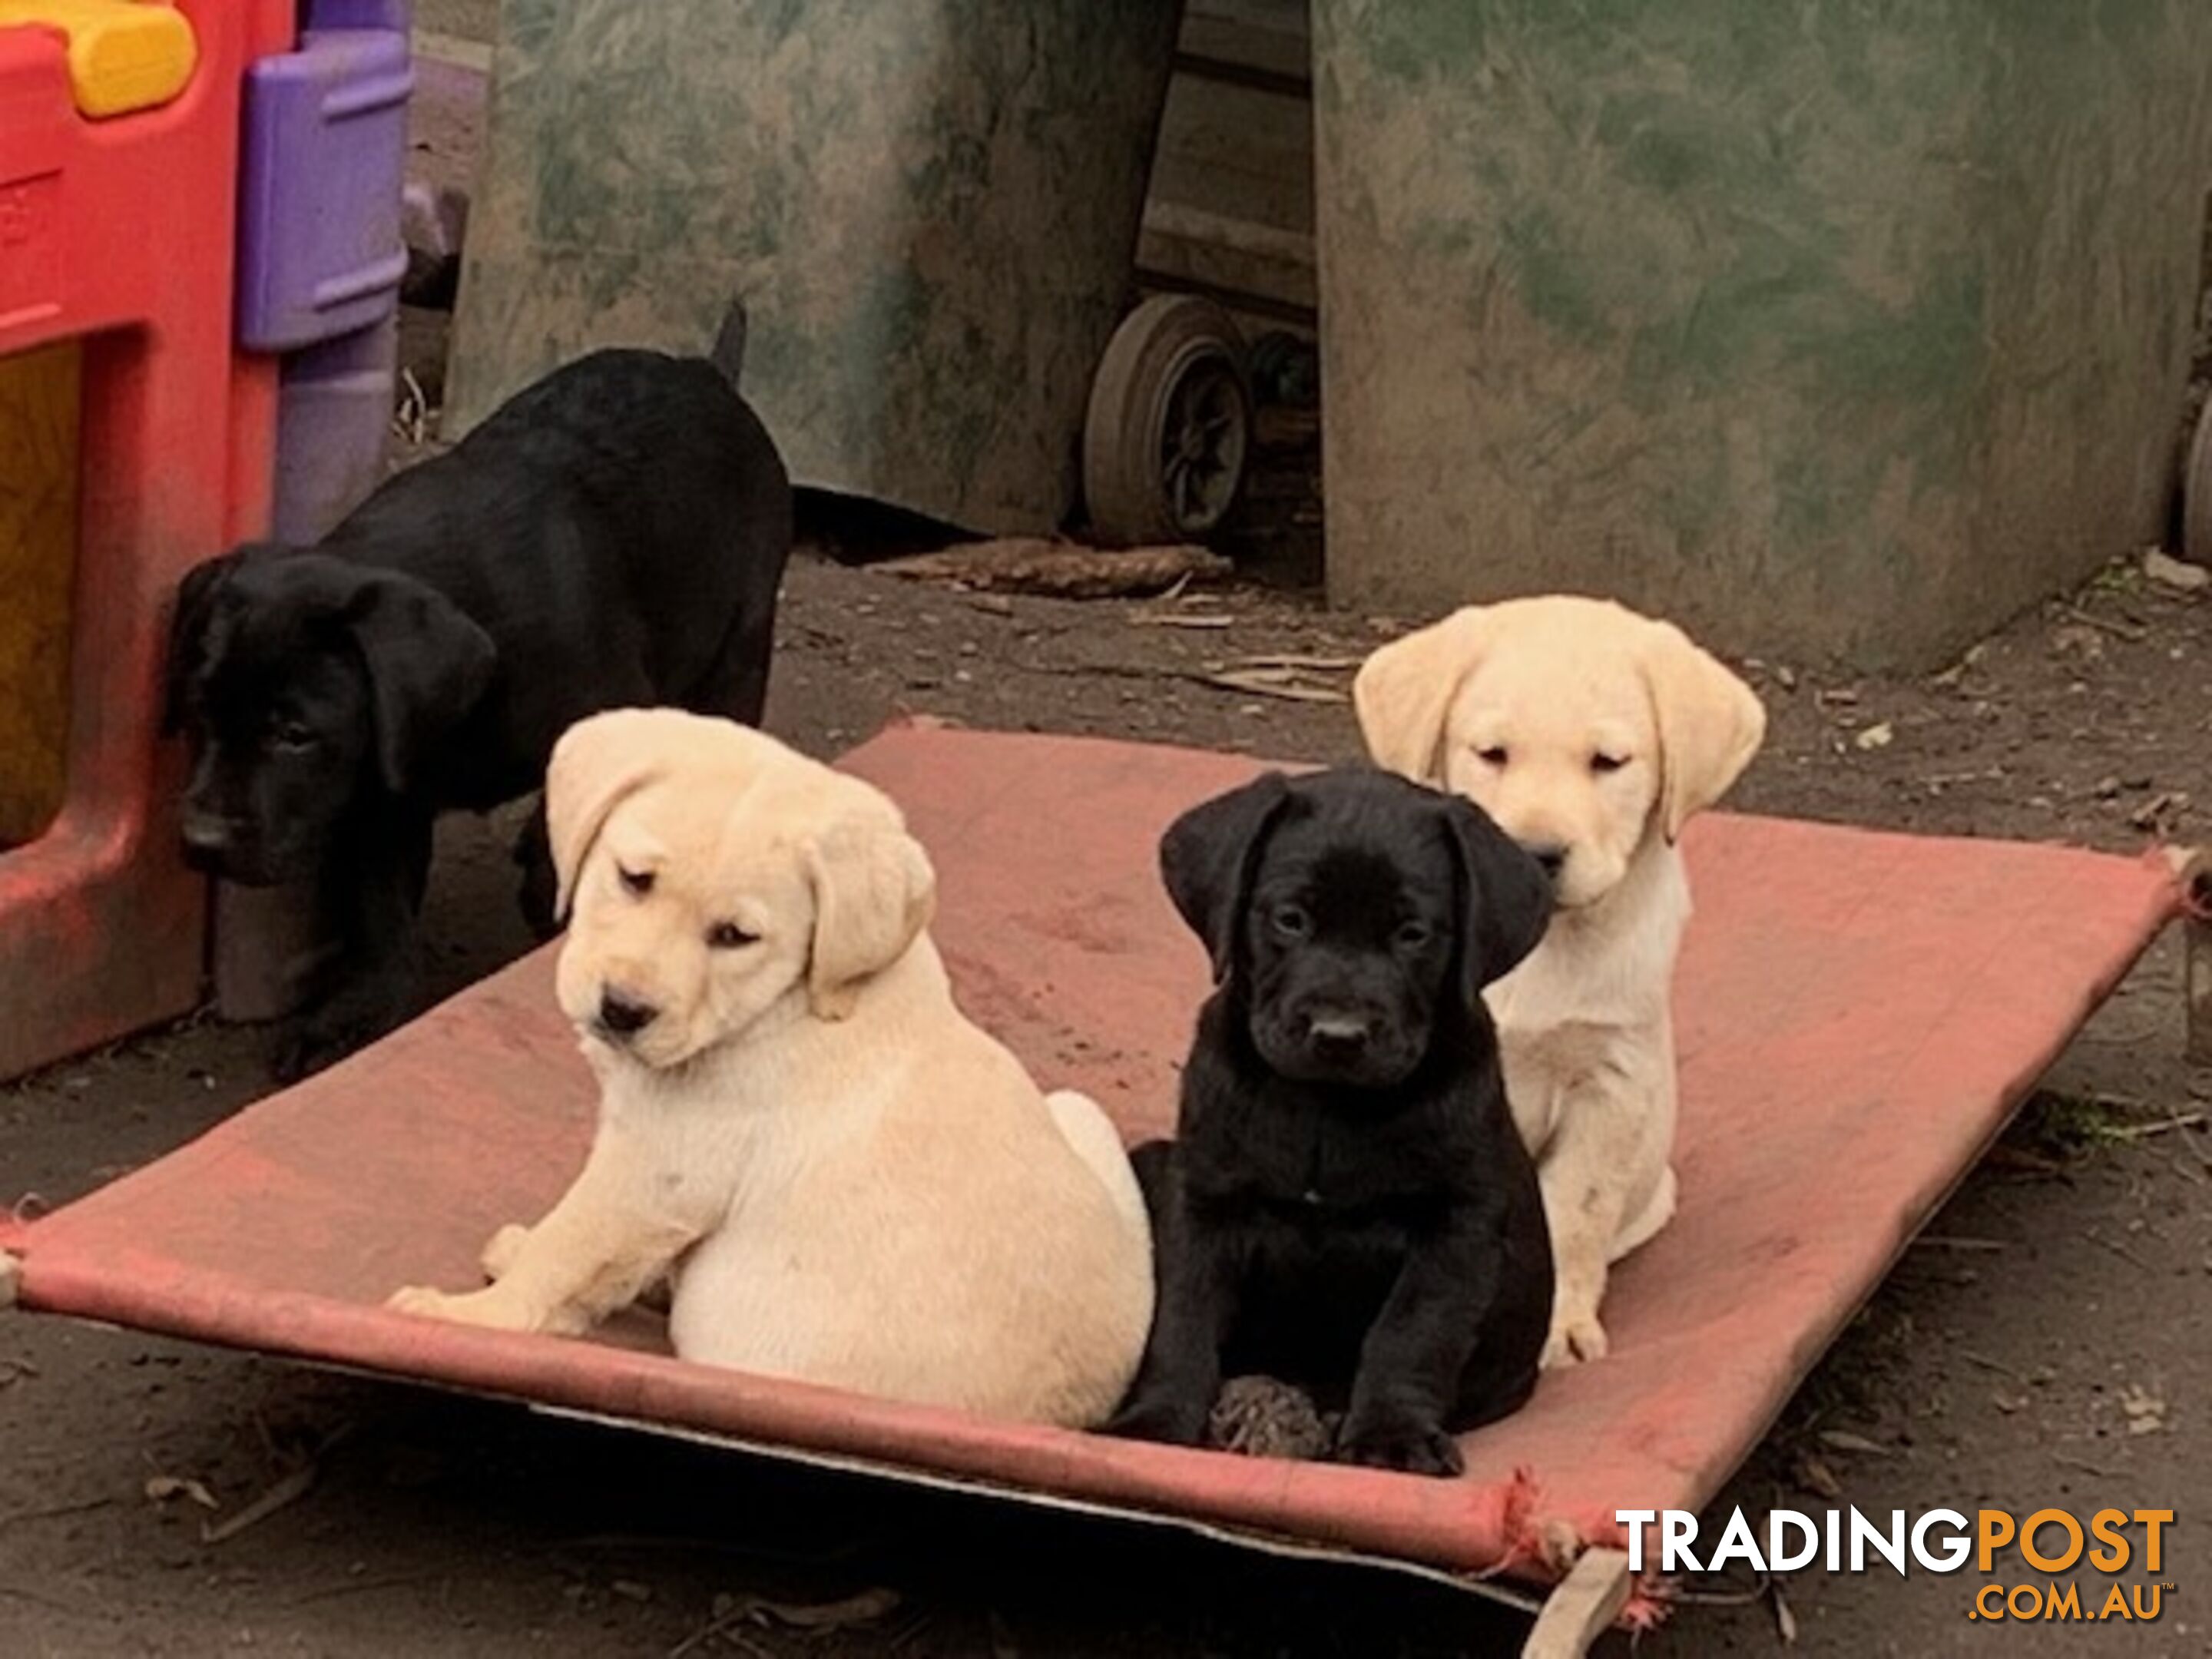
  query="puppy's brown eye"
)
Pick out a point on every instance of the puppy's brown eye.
point(728, 936)
point(636, 883)
point(1493, 756)
point(1412, 935)
point(1603, 764)
point(1291, 922)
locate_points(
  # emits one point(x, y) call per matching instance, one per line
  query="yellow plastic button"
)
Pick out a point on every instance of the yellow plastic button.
point(123, 55)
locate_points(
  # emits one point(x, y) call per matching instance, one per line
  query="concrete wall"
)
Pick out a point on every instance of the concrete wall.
point(1838, 331)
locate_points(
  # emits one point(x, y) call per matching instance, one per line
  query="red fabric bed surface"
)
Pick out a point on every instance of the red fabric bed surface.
point(1857, 1012)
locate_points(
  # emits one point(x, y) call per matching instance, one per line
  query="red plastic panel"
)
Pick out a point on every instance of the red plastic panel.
point(119, 232)
point(1859, 1014)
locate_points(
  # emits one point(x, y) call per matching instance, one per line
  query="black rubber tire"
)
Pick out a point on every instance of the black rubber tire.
point(2196, 493)
point(1170, 426)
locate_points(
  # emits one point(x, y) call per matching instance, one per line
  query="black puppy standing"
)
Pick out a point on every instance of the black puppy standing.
point(614, 535)
point(1348, 1205)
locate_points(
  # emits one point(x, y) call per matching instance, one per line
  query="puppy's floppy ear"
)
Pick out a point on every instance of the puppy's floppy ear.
point(1403, 691)
point(598, 763)
point(604, 758)
point(874, 891)
point(428, 665)
point(1208, 855)
point(1711, 724)
point(188, 626)
point(1508, 901)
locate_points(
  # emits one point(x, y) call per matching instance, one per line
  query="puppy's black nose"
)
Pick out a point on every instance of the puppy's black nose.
point(1551, 854)
point(1339, 1036)
point(205, 833)
point(624, 1016)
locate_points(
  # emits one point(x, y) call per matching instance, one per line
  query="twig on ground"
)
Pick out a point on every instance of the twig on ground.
point(2002, 1157)
point(2069, 1461)
point(1279, 683)
point(2143, 1131)
point(1291, 660)
point(286, 1492)
point(1280, 693)
point(1183, 619)
point(160, 1488)
point(52, 1603)
point(2121, 1251)
point(55, 1512)
point(363, 1586)
point(1942, 1242)
point(2129, 631)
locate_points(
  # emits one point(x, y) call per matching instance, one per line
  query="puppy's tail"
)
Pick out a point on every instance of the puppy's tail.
point(728, 353)
point(1091, 1133)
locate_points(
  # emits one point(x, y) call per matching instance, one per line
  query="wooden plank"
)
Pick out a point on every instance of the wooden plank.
point(1269, 49)
point(1583, 1608)
point(1236, 150)
point(1230, 210)
point(1185, 247)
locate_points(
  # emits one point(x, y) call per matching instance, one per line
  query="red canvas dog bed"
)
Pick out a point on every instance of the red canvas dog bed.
point(1858, 1015)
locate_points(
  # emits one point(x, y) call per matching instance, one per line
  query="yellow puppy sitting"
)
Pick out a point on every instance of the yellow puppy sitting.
point(853, 1184)
point(1591, 734)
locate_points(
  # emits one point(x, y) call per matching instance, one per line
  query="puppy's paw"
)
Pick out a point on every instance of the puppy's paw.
point(312, 1043)
point(487, 1310)
point(301, 1049)
point(1575, 1339)
point(1155, 1414)
point(500, 1250)
point(1410, 1448)
point(421, 1300)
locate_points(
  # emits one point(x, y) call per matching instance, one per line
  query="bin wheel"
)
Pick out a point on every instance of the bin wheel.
point(2196, 493)
point(1169, 425)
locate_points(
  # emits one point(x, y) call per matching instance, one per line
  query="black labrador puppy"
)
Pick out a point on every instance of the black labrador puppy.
point(614, 535)
point(1347, 1206)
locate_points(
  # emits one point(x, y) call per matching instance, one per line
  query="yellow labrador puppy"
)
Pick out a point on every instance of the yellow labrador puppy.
point(852, 1184)
point(1591, 734)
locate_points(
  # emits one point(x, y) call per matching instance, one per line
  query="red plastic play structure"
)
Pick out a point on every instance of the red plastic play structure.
point(117, 236)
point(1845, 1059)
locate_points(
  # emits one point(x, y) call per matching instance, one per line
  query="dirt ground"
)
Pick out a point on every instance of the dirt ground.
point(1993, 1371)
point(2068, 1281)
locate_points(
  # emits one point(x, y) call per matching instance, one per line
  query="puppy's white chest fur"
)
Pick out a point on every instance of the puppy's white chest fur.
point(1588, 1011)
point(724, 1137)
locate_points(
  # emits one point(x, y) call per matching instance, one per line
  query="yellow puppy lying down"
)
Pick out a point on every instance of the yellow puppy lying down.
point(852, 1185)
